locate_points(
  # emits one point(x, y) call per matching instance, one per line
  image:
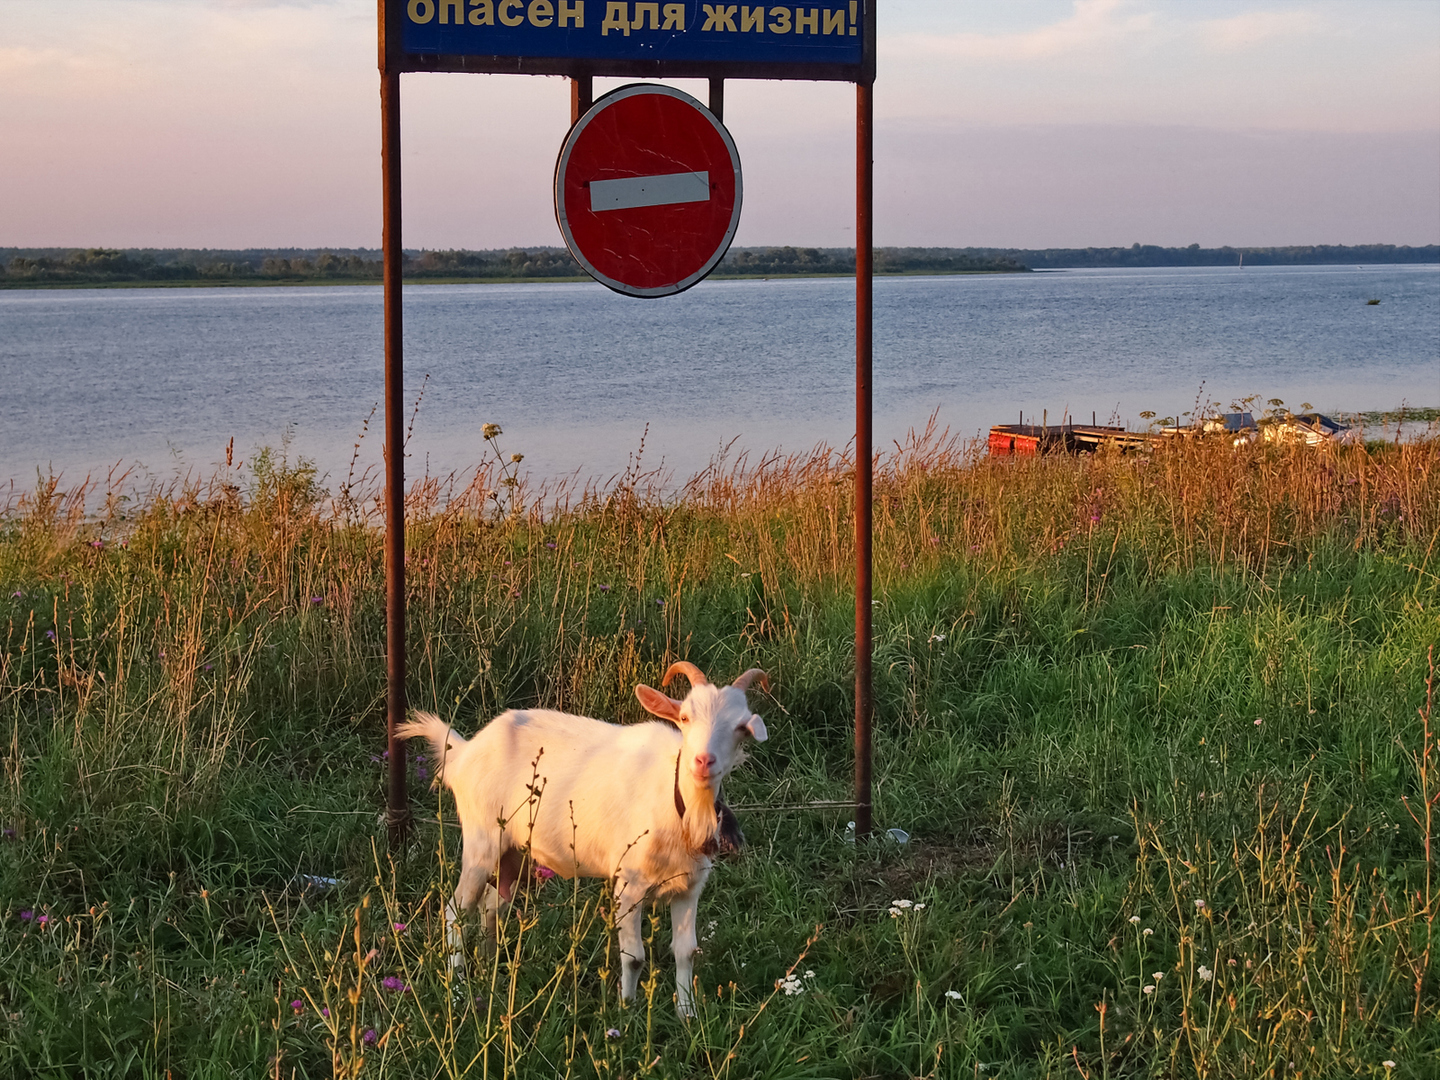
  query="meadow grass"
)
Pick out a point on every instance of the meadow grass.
point(1159, 728)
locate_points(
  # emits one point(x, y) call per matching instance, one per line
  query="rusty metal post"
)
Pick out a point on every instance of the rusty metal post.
point(864, 340)
point(717, 98)
point(397, 802)
point(582, 96)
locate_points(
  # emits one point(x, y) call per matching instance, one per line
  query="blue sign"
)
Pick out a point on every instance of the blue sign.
point(821, 32)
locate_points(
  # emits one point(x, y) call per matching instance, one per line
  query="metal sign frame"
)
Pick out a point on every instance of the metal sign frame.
point(581, 70)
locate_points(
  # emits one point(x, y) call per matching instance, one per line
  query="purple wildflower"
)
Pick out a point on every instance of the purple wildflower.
point(934, 540)
point(43, 920)
point(317, 599)
point(612, 1033)
point(325, 1013)
point(422, 773)
point(8, 833)
point(399, 927)
point(51, 635)
point(370, 1036)
point(297, 1005)
point(544, 873)
point(393, 983)
point(551, 546)
point(604, 588)
point(26, 915)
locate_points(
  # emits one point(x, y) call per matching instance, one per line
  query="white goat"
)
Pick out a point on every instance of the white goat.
point(639, 804)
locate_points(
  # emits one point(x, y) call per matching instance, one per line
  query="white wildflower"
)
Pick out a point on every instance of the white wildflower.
point(1388, 1063)
point(1146, 932)
point(1205, 973)
point(791, 984)
point(1148, 989)
point(1134, 919)
point(953, 995)
point(1157, 976)
point(809, 974)
point(903, 903)
point(1199, 905)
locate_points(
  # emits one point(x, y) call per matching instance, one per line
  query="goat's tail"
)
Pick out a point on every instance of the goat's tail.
point(444, 740)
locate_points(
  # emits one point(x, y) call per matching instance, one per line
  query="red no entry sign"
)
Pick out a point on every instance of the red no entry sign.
point(647, 191)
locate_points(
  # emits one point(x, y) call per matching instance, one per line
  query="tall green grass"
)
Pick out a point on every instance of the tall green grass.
point(1108, 688)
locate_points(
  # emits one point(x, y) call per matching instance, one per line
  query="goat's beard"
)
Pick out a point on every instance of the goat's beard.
point(701, 823)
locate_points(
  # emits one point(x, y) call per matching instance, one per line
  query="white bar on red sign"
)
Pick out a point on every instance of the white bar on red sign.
point(663, 190)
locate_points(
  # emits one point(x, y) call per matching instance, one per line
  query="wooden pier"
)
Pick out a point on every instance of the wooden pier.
point(1030, 440)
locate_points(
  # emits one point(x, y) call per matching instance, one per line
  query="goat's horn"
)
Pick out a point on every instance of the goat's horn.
point(689, 670)
point(744, 681)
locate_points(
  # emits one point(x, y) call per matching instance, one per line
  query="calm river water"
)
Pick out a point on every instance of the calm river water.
point(164, 378)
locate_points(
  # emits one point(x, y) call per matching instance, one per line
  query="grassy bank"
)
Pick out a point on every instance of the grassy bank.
point(1157, 728)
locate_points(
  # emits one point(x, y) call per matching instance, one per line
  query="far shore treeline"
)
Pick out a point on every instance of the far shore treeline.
point(28, 267)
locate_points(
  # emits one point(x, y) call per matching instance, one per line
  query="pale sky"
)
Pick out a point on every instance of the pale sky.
point(1022, 123)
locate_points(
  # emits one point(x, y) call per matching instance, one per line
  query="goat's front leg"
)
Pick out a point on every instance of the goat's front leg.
point(683, 941)
point(629, 910)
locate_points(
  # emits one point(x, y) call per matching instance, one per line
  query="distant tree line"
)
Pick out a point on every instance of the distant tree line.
point(22, 267)
point(1195, 255)
point(777, 261)
point(100, 266)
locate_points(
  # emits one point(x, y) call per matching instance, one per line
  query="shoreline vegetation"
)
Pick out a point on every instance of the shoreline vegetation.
point(27, 268)
point(1161, 729)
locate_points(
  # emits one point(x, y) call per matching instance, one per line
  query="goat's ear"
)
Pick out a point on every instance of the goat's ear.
point(667, 708)
point(756, 727)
